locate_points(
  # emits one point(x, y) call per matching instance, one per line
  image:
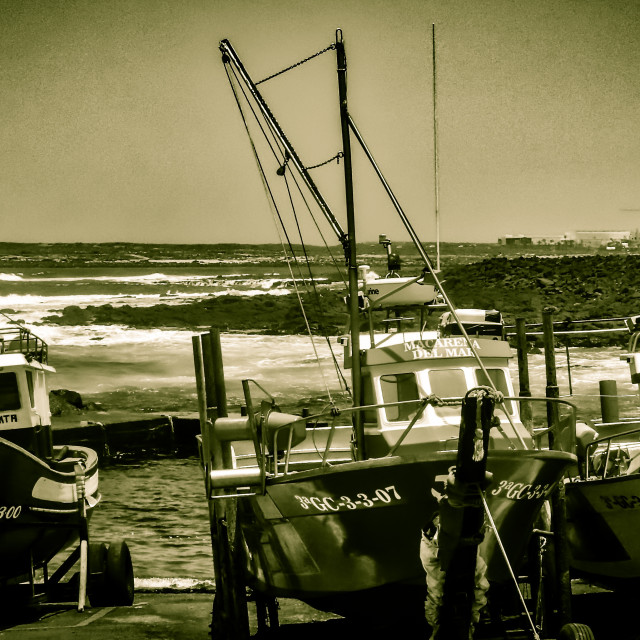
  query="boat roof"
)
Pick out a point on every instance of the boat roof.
point(20, 360)
point(412, 346)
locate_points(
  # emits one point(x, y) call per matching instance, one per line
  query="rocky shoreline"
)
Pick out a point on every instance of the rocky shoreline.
point(578, 287)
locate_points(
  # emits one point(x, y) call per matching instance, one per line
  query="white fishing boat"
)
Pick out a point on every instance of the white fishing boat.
point(344, 509)
point(47, 492)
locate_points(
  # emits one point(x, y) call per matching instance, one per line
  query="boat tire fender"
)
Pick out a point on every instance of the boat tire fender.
point(118, 584)
point(575, 631)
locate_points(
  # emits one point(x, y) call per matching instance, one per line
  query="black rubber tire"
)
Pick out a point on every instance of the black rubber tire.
point(575, 631)
point(97, 567)
point(118, 584)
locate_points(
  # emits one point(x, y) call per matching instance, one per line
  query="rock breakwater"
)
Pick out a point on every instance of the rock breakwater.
point(579, 287)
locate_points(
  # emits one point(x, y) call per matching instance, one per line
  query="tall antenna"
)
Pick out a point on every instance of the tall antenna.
point(435, 150)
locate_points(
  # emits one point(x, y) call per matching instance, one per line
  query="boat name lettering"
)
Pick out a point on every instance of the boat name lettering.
point(622, 502)
point(441, 348)
point(12, 417)
point(520, 491)
point(9, 513)
point(344, 503)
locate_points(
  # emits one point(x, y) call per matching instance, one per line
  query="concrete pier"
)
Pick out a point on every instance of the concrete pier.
point(186, 616)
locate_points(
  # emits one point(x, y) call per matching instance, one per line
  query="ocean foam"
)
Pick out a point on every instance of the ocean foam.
point(174, 584)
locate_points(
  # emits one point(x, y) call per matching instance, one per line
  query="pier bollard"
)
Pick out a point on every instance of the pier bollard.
point(609, 401)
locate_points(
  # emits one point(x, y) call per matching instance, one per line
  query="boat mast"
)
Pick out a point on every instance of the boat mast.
point(435, 151)
point(354, 310)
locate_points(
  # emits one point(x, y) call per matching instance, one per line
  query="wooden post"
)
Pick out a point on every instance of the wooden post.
point(218, 373)
point(552, 390)
point(558, 510)
point(609, 401)
point(526, 410)
point(230, 617)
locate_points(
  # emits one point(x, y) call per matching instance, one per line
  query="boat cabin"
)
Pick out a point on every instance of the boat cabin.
point(404, 367)
point(25, 415)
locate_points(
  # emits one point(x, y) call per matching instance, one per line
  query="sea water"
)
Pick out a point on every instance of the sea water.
point(159, 506)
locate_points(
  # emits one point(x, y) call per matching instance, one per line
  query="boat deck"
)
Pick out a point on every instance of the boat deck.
point(186, 616)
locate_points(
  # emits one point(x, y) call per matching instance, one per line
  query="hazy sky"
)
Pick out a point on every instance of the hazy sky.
point(117, 122)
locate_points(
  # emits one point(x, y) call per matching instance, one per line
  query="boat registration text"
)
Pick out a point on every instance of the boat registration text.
point(343, 503)
point(10, 513)
point(521, 491)
point(621, 502)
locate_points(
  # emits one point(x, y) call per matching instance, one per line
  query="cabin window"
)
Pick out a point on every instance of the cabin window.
point(399, 387)
point(9, 392)
point(447, 383)
point(368, 398)
point(499, 380)
point(30, 387)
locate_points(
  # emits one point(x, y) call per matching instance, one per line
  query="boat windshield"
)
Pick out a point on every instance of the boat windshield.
point(399, 387)
point(448, 383)
point(500, 382)
point(9, 392)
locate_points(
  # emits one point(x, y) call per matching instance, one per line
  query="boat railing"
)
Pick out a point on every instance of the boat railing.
point(561, 433)
point(610, 462)
point(335, 418)
point(22, 340)
point(560, 436)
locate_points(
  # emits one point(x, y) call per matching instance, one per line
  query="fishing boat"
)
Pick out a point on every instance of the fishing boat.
point(603, 499)
point(47, 492)
point(342, 509)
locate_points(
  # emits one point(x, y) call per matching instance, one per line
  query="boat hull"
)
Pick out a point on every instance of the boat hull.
point(43, 505)
point(341, 530)
point(603, 519)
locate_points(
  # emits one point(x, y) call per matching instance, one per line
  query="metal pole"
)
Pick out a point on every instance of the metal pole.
point(435, 150)
point(410, 230)
point(354, 309)
point(566, 349)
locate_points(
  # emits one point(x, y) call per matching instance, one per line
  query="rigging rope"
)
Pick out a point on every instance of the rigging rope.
point(297, 64)
point(282, 159)
point(282, 226)
point(313, 284)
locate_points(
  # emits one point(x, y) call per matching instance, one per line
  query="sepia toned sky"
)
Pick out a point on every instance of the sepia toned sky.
point(117, 122)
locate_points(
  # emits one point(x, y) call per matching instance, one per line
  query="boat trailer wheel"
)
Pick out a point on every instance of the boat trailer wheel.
point(110, 580)
point(575, 631)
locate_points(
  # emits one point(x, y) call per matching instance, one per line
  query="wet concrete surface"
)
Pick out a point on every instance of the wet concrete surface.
point(186, 616)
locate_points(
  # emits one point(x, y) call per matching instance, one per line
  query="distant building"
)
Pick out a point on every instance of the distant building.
point(564, 239)
point(599, 238)
point(515, 240)
point(586, 238)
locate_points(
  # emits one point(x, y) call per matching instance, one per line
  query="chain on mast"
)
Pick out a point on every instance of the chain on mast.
point(229, 56)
